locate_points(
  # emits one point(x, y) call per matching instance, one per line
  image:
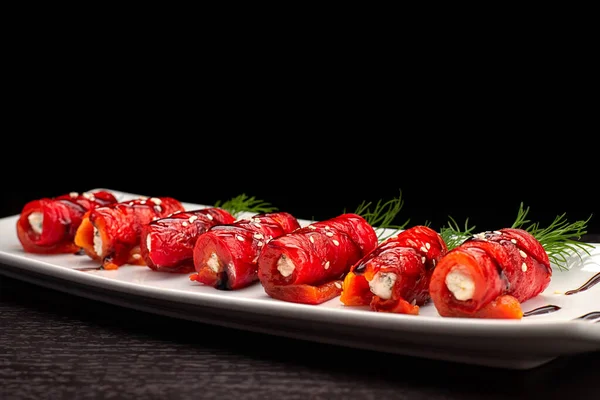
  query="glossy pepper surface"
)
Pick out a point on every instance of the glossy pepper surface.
point(225, 257)
point(394, 277)
point(308, 265)
point(48, 225)
point(167, 244)
point(490, 275)
point(111, 234)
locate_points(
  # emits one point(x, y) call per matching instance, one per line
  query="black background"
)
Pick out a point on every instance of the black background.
point(318, 171)
point(463, 144)
point(450, 181)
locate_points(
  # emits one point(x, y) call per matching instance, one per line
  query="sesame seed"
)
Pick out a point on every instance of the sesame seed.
point(498, 233)
point(523, 267)
point(258, 236)
point(338, 285)
point(523, 254)
point(210, 217)
point(326, 266)
point(192, 218)
point(184, 223)
point(336, 242)
point(327, 227)
point(414, 302)
point(312, 239)
point(73, 194)
point(513, 241)
point(155, 200)
point(311, 227)
point(157, 209)
point(260, 244)
point(239, 237)
point(480, 236)
point(330, 234)
point(557, 292)
point(143, 202)
point(423, 260)
point(428, 245)
point(136, 256)
point(130, 203)
point(423, 249)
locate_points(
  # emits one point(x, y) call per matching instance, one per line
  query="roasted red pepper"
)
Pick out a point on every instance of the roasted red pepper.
point(490, 275)
point(308, 265)
point(48, 225)
point(225, 257)
point(395, 276)
point(167, 244)
point(111, 234)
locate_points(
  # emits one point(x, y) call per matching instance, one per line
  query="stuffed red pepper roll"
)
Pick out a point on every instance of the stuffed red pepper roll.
point(394, 277)
point(111, 234)
point(48, 225)
point(225, 257)
point(167, 244)
point(490, 275)
point(308, 265)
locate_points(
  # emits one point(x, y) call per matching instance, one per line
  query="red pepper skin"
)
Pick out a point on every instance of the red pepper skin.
point(507, 267)
point(411, 257)
point(167, 244)
point(225, 257)
point(305, 294)
point(119, 226)
point(321, 254)
point(62, 216)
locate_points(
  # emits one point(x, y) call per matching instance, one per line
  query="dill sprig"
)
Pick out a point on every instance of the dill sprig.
point(559, 239)
point(453, 235)
point(382, 216)
point(244, 203)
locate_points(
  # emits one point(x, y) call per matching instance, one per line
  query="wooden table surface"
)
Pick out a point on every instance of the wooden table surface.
point(55, 345)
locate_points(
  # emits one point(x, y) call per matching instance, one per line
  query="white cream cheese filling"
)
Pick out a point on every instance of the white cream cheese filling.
point(382, 283)
point(214, 263)
point(97, 243)
point(460, 284)
point(36, 221)
point(285, 266)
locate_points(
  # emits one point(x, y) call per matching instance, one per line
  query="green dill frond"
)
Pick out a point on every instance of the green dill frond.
point(521, 214)
point(453, 235)
point(382, 216)
point(244, 203)
point(559, 239)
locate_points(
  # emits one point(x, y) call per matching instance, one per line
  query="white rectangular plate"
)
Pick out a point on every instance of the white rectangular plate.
point(521, 344)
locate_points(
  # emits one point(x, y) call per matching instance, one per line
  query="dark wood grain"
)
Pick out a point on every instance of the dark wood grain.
point(54, 345)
